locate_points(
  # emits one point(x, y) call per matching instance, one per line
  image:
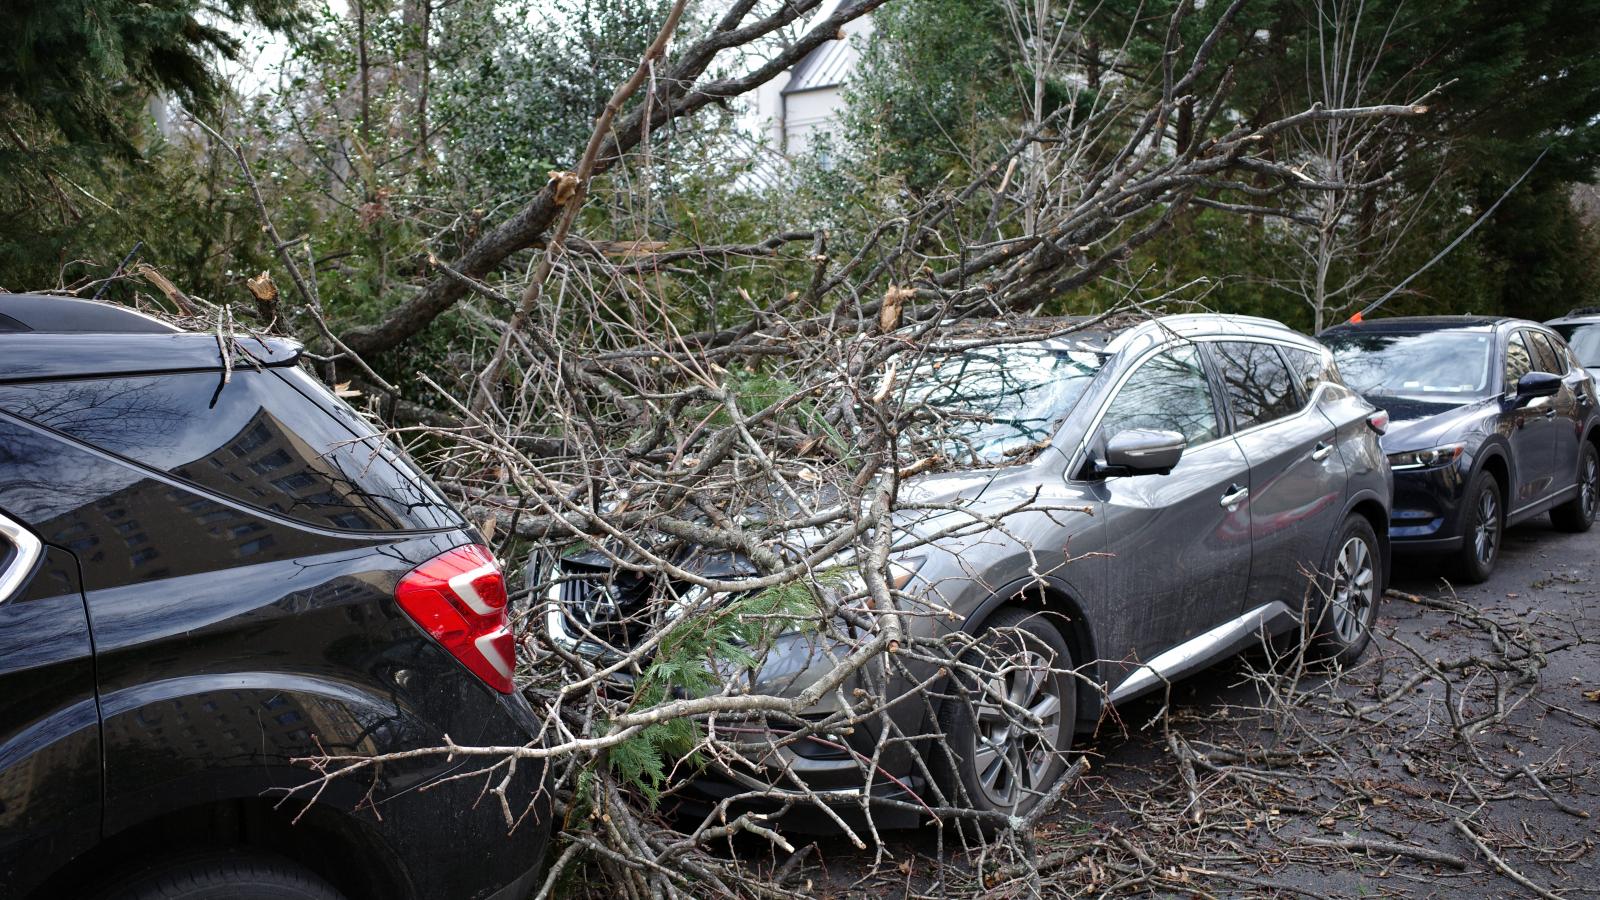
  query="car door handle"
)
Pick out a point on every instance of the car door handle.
point(1234, 495)
point(1321, 451)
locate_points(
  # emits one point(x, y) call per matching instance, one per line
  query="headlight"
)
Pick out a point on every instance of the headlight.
point(1427, 459)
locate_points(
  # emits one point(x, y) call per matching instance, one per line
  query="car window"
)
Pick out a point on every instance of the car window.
point(987, 405)
point(1519, 360)
point(1169, 392)
point(1260, 387)
point(1311, 369)
point(1584, 341)
point(1546, 359)
point(1436, 366)
point(256, 440)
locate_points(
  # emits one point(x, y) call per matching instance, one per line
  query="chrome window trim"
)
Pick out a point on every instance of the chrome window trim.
point(27, 552)
point(1557, 345)
point(1080, 453)
point(1311, 400)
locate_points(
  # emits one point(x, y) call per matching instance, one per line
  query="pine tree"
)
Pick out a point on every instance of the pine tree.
point(72, 65)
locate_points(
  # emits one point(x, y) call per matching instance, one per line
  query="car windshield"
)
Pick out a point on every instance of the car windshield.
point(991, 405)
point(1584, 340)
point(1437, 365)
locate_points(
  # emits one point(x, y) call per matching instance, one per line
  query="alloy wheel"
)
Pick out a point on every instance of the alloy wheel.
point(1591, 485)
point(1486, 533)
point(1013, 758)
point(1354, 584)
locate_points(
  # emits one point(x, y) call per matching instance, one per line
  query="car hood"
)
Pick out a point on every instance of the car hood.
point(1416, 424)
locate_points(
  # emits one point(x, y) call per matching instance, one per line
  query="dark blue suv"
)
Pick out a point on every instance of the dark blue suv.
point(1493, 421)
point(209, 570)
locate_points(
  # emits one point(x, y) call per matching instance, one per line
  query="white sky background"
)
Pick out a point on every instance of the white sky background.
point(256, 70)
point(257, 67)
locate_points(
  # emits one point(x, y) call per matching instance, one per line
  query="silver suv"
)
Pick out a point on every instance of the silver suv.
point(1220, 459)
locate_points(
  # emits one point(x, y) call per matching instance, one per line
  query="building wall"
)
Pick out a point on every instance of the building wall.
point(788, 121)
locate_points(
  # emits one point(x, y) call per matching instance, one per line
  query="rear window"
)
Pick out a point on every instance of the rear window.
point(1260, 387)
point(272, 439)
point(1312, 370)
point(1549, 360)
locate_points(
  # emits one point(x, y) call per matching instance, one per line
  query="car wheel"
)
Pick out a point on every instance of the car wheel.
point(223, 875)
point(996, 762)
point(1485, 517)
point(1577, 515)
point(1350, 590)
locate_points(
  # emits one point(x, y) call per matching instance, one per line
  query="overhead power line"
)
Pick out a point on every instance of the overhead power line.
point(1373, 306)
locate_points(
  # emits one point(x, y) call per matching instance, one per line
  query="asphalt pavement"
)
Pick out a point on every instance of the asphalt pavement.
point(1274, 798)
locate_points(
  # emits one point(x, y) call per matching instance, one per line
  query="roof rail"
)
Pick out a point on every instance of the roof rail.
point(1583, 311)
point(74, 315)
point(1234, 318)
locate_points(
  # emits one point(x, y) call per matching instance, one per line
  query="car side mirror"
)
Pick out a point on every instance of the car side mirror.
point(1535, 385)
point(1140, 451)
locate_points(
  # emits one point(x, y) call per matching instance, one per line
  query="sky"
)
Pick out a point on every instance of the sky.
point(263, 52)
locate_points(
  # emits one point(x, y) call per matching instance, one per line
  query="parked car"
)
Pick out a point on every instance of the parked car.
point(1220, 457)
point(1581, 329)
point(206, 575)
point(1492, 422)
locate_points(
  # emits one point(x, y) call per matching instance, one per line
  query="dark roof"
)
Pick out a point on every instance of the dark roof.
point(1415, 324)
point(74, 315)
point(43, 336)
point(826, 66)
point(40, 356)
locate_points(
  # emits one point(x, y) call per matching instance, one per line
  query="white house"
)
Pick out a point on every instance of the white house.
point(790, 111)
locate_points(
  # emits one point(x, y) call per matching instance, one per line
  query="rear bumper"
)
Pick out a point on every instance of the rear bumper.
point(451, 837)
point(521, 888)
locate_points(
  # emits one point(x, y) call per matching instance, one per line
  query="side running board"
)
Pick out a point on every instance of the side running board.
point(1200, 652)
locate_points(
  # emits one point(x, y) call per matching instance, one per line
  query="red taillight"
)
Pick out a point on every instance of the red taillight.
point(459, 597)
point(1379, 421)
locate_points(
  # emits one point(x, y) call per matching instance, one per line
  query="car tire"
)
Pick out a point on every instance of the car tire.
point(222, 875)
point(1349, 592)
point(1484, 530)
point(1577, 515)
point(991, 765)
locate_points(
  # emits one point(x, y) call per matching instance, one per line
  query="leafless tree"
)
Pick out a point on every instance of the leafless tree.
point(1342, 241)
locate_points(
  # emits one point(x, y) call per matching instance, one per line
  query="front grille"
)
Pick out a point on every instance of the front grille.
point(601, 605)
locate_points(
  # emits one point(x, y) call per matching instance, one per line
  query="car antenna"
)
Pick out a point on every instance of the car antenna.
point(1373, 306)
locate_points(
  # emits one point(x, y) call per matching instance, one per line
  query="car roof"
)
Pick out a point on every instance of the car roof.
point(59, 314)
point(1581, 314)
point(47, 336)
point(1420, 324)
point(1113, 333)
point(1200, 325)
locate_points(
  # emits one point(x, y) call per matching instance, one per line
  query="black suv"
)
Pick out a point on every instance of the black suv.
point(210, 569)
point(1493, 422)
